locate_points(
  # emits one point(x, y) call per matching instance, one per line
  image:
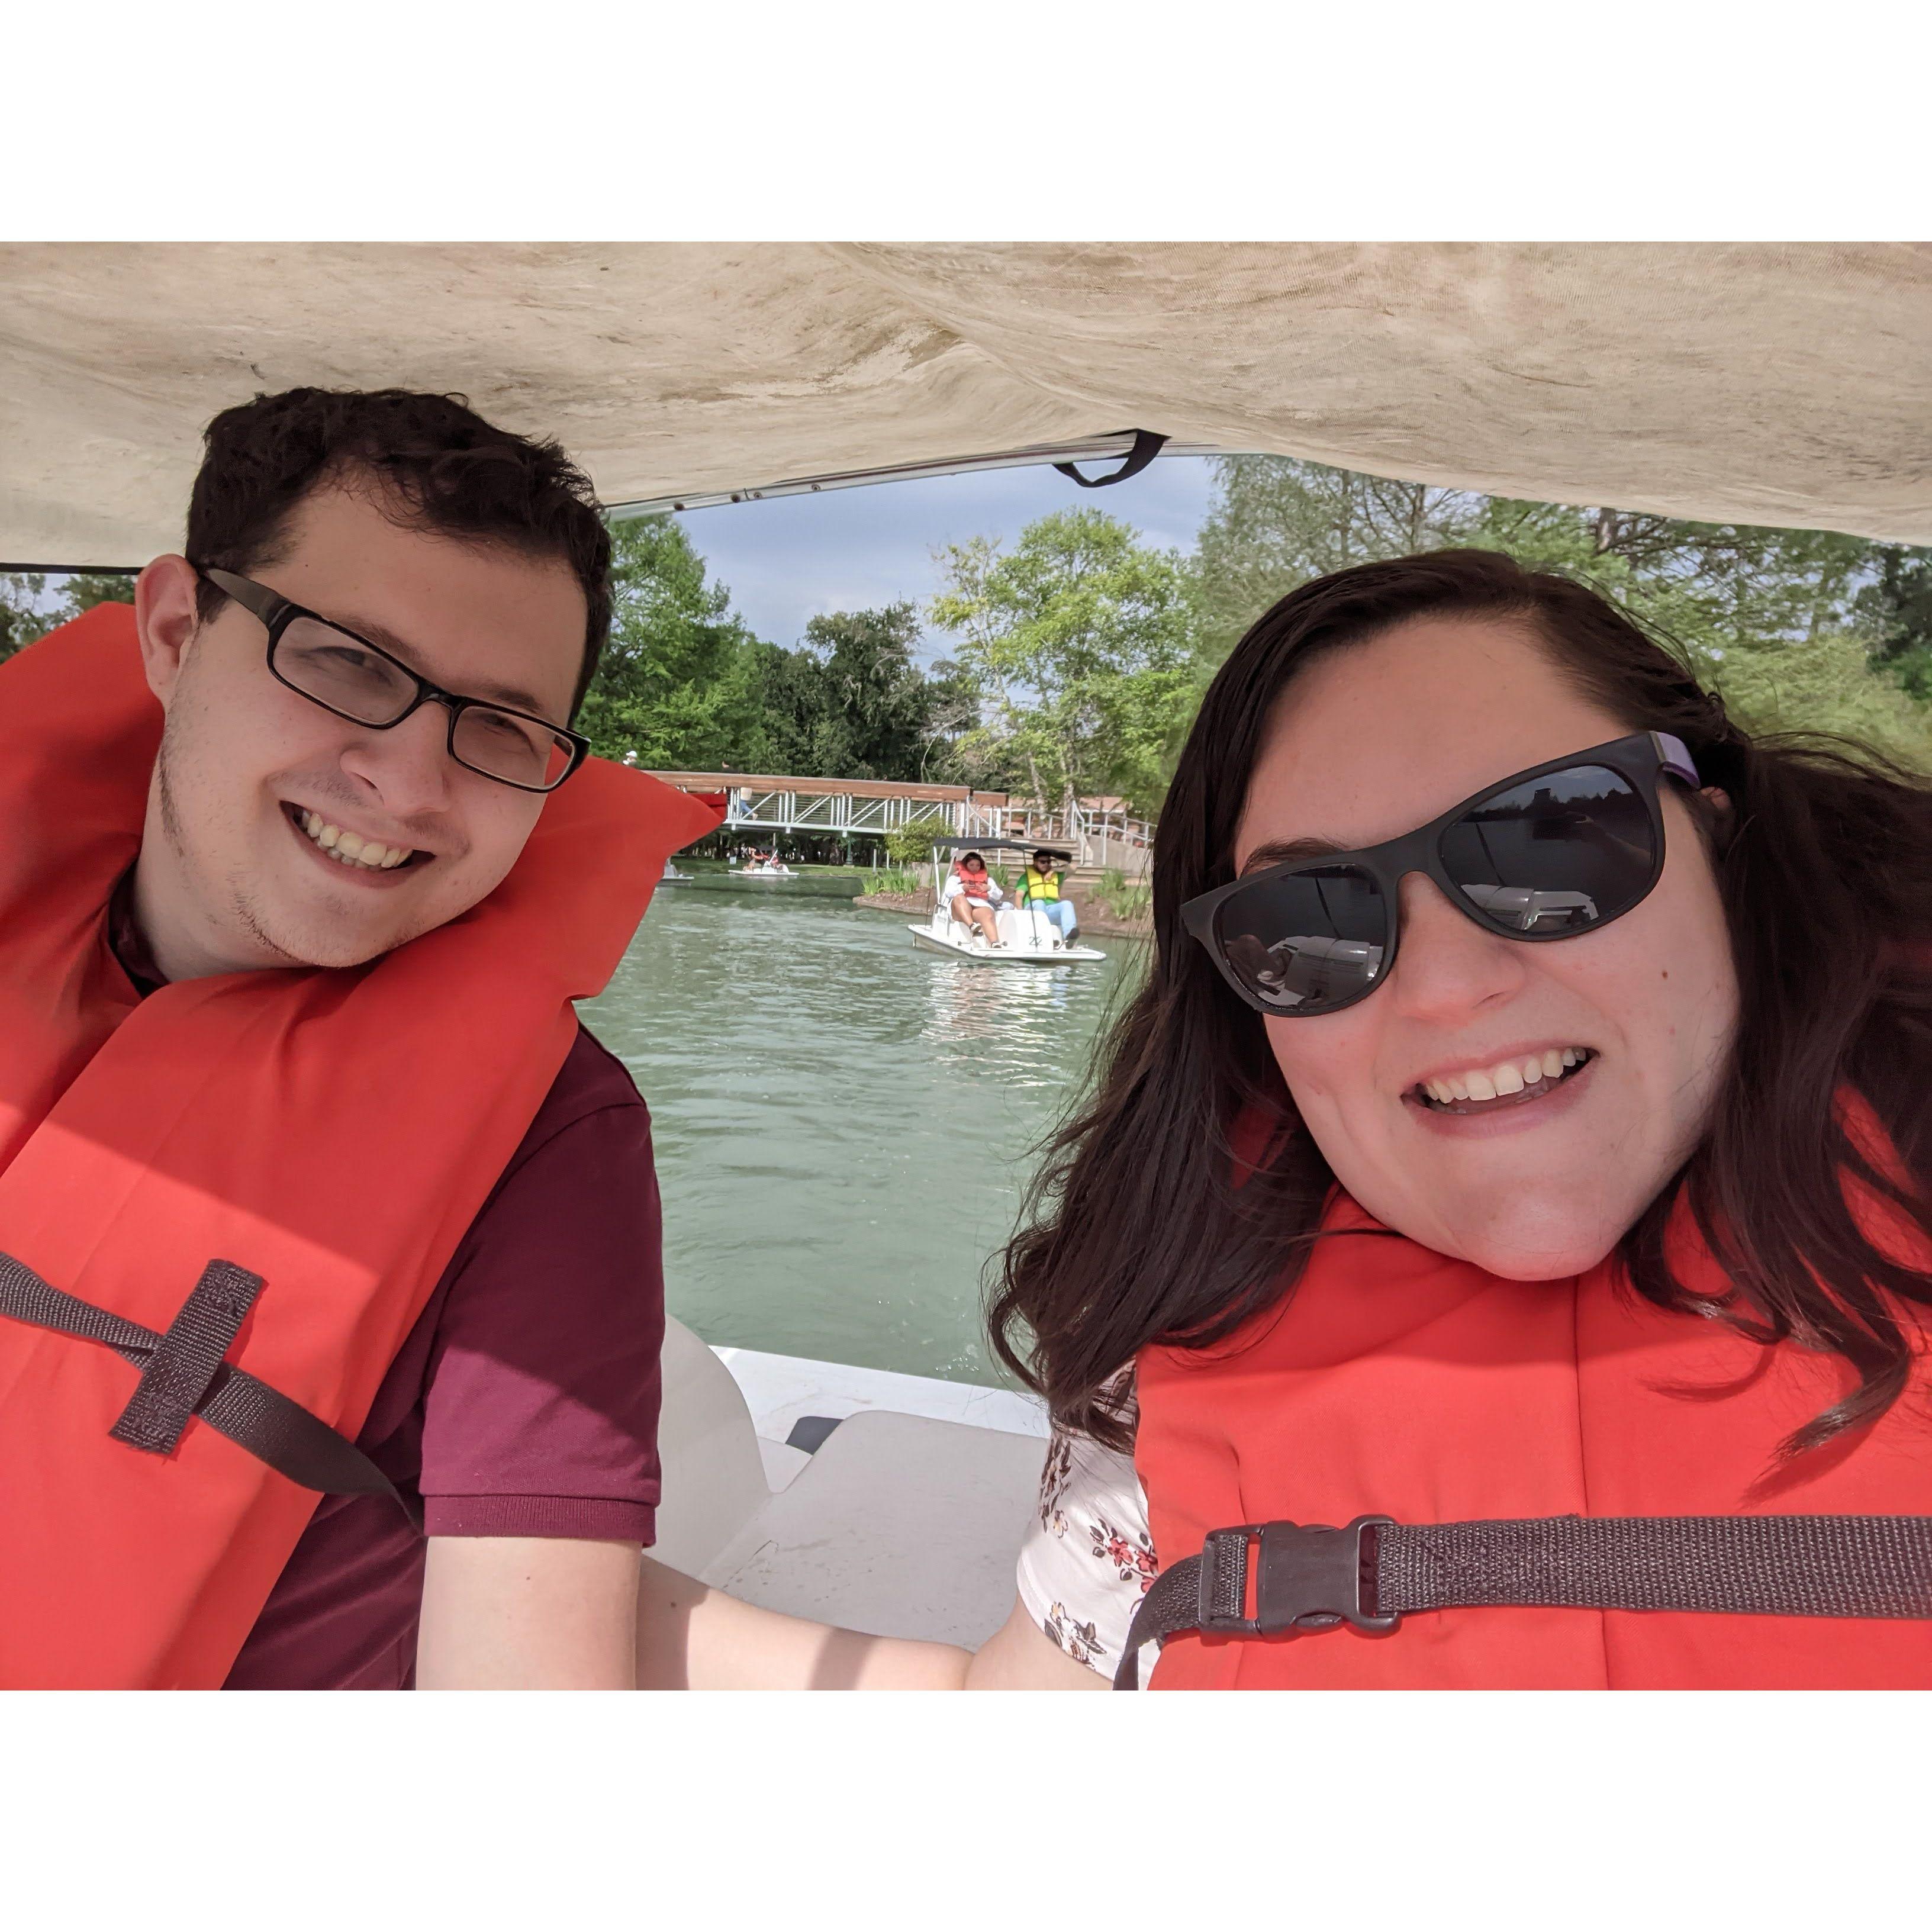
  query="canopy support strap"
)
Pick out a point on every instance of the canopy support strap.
point(1147, 445)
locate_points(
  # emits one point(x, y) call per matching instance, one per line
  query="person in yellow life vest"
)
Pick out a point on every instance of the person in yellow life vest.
point(1043, 889)
point(331, 1301)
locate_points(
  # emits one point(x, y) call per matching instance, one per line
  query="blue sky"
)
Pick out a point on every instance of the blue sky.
point(791, 558)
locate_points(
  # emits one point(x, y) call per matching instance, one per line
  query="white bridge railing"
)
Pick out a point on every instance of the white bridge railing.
point(1095, 836)
point(854, 812)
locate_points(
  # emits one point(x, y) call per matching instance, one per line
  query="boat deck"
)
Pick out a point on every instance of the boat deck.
point(887, 1503)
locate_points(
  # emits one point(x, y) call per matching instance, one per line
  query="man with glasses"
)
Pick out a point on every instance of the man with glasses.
point(368, 658)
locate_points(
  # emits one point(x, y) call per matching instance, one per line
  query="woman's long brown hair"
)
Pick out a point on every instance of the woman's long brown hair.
point(1136, 1231)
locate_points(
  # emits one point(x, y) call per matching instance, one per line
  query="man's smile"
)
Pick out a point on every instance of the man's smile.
point(369, 861)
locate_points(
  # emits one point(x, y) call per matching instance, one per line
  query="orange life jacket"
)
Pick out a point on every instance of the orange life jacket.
point(973, 884)
point(1396, 1382)
point(334, 1132)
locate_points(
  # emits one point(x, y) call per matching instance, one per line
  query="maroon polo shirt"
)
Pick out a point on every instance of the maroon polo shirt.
point(524, 1402)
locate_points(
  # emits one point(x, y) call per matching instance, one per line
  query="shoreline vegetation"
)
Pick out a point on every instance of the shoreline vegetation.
point(1068, 662)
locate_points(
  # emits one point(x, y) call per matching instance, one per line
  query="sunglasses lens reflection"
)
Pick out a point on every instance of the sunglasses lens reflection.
point(1556, 856)
point(1308, 942)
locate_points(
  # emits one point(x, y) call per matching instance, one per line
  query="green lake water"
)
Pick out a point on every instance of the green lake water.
point(843, 1122)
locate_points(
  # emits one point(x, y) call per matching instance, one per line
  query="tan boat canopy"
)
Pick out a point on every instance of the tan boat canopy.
point(1782, 384)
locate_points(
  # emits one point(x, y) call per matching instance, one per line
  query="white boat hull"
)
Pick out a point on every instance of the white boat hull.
point(1027, 942)
point(1004, 955)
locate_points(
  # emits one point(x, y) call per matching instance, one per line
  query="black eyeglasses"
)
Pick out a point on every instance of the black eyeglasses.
point(1561, 849)
point(332, 666)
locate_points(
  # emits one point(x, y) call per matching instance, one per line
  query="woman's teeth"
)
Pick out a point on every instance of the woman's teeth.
point(349, 847)
point(1507, 1077)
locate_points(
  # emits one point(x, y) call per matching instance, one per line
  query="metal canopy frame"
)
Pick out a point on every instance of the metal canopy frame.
point(1088, 449)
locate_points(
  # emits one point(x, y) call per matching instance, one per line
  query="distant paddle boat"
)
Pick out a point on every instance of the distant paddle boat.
point(1027, 937)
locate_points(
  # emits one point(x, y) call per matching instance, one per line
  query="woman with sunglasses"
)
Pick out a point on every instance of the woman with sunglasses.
point(1517, 1159)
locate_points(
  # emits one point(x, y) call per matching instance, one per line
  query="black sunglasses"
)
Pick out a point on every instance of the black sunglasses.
point(331, 666)
point(1561, 849)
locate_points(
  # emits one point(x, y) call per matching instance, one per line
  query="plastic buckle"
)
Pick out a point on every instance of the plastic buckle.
point(1224, 1581)
point(1312, 1577)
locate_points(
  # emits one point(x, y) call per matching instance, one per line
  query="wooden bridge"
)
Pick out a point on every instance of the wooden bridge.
point(1098, 832)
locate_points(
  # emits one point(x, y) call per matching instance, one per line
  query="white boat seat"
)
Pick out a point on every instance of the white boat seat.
point(901, 1525)
point(714, 1476)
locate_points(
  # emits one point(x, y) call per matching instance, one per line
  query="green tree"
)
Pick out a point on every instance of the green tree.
point(1080, 643)
point(28, 612)
point(1277, 521)
point(1897, 608)
point(1797, 628)
point(22, 620)
point(1711, 586)
point(851, 702)
point(911, 844)
point(1783, 623)
point(676, 683)
point(86, 588)
point(1825, 686)
point(952, 716)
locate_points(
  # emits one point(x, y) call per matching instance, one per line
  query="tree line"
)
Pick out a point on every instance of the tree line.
point(1797, 629)
point(1071, 664)
point(31, 605)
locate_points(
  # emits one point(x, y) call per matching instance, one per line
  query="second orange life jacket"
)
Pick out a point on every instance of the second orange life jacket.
point(1396, 1381)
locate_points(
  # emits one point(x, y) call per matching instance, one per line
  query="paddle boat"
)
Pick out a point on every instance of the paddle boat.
point(1027, 937)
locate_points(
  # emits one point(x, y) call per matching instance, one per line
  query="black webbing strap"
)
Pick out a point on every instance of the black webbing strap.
point(1374, 1572)
point(185, 1362)
point(182, 1374)
point(1147, 445)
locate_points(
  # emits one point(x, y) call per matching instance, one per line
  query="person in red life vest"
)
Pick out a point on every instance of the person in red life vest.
point(1518, 1161)
point(330, 1299)
point(973, 893)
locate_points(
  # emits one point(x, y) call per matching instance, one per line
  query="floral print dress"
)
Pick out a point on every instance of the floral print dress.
point(1087, 1559)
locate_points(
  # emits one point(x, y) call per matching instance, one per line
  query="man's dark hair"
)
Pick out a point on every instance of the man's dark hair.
point(447, 472)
